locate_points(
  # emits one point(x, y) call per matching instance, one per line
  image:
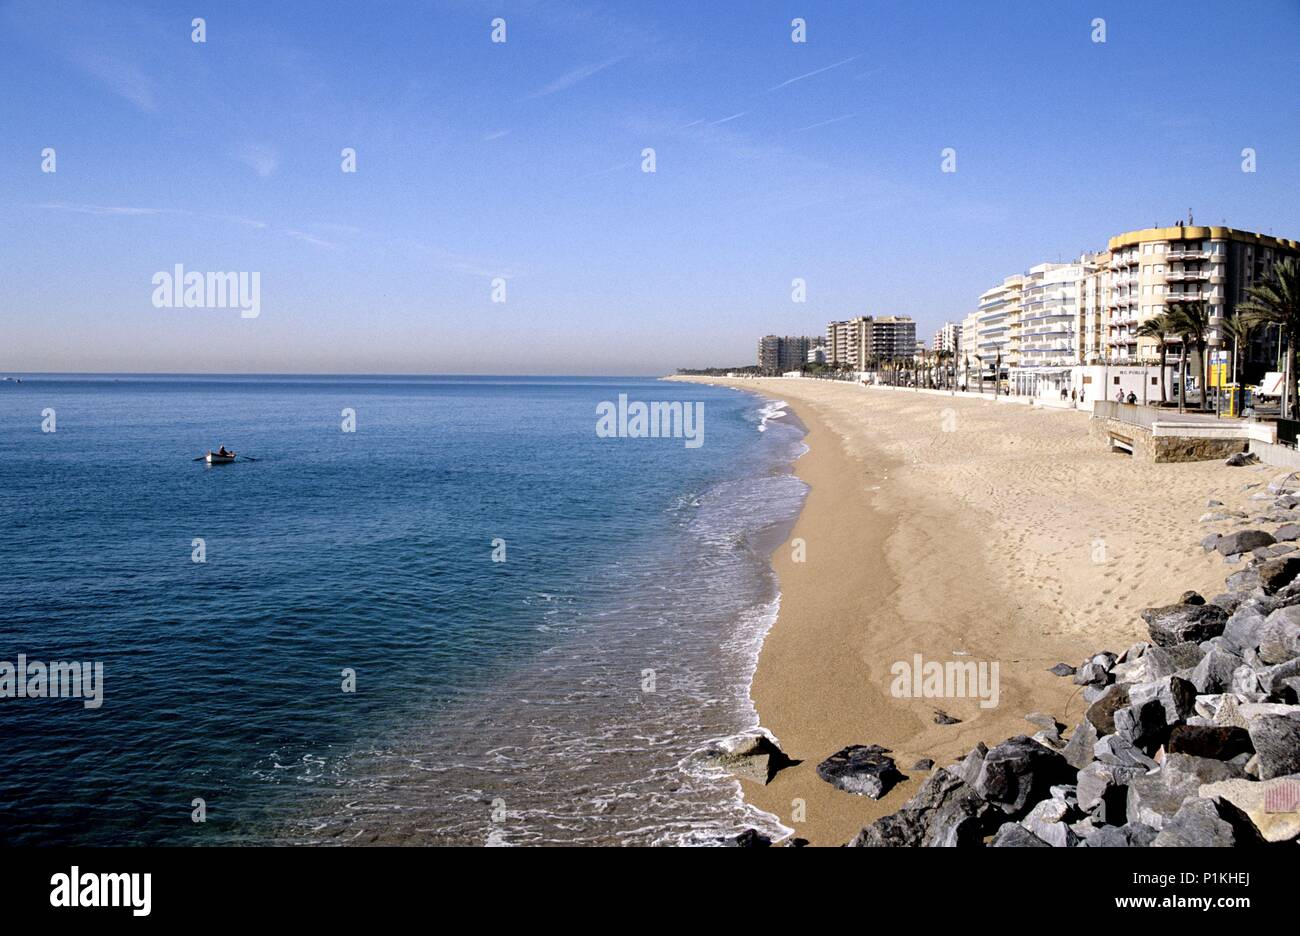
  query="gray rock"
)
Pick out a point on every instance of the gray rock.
point(1155, 797)
point(1243, 627)
point(945, 812)
point(943, 718)
point(1106, 785)
point(924, 763)
point(1243, 541)
point(1277, 744)
point(1131, 835)
point(1192, 597)
point(1287, 532)
point(1049, 820)
point(1078, 751)
point(1209, 542)
point(1214, 672)
point(1044, 721)
point(968, 768)
point(1014, 835)
point(1284, 484)
point(1279, 637)
point(1206, 823)
point(1175, 624)
point(1018, 773)
point(1168, 661)
point(1213, 503)
point(1092, 674)
point(1176, 696)
point(1228, 601)
point(1062, 669)
point(1112, 749)
point(863, 769)
point(1132, 653)
point(1143, 723)
point(1272, 678)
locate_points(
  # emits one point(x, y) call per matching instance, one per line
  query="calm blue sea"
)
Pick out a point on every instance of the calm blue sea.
point(557, 696)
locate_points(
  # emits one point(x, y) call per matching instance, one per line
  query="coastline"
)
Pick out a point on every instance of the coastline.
point(975, 545)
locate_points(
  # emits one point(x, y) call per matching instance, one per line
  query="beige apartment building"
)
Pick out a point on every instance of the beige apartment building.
point(1156, 269)
point(858, 341)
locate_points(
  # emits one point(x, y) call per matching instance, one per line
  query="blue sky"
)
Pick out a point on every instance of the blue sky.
point(522, 160)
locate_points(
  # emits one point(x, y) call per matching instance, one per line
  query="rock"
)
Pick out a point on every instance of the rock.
point(1287, 533)
point(945, 812)
point(794, 841)
point(1191, 597)
point(1078, 752)
point(1209, 542)
point(924, 763)
point(1206, 823)
point(1242, 541)
point(863, 769)
point(1275, 573)
point(968, 769)
point(1105, 786)
point(1177, 697)
point(1155, 797)
point(1101, 714)
point(943, 718)
point(750, 838)
point(1214, 672)
point(1240, 459)
point(1213, 503)
point(1014, 835)
point(1220, 742)
point(1131, 835)
point(1112, 749)
point(1049, 821)
point(1092, 673)
point(1272, 806)
point(1019, 772)
point(1132, 653)
point(1167, 661)
point(1279, 637)
point(1243, 627)
point(1044, 721)
point(1276, 739)
point(1228, 601)
point(1177, 624)
point(1062, 669)
point(1272, 678)
point(1217, 516)
point(751, 755)
point(1143, 723)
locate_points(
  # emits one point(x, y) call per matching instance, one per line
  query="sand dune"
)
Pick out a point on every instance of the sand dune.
point(960, 530)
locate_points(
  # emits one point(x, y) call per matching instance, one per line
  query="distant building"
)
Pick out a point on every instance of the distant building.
point(779, 354)
point(948, 338)
point(858, 342)
point(817, 351)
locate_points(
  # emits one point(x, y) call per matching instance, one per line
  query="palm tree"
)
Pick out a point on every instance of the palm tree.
point(1158, 328)
point(1238, 329)
point(1276, 301)
point(1192, 321)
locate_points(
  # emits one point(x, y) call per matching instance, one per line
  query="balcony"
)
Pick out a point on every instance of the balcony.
point(1187, 276)
point(1173, 256)
point(1173, 298)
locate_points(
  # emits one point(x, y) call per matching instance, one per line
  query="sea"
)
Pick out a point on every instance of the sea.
point(416, 610)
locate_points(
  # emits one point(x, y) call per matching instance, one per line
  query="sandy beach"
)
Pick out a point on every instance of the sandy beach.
point(956, 529)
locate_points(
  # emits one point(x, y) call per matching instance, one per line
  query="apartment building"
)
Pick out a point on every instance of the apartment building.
point(778, 354)
point(1156, 269)
point(891, 337)
point(948, 339)
point(1094, 307)
point(846, 342)
point(996, 339)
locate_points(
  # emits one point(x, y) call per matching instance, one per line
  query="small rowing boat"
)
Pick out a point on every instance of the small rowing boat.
point(219, 458)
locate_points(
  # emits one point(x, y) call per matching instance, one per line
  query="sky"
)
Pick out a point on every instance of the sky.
point(522, 162)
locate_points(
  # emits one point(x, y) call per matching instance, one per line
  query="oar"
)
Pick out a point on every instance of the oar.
point(200, 458)
point(249, 458)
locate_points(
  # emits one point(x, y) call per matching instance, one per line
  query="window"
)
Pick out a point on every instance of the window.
point(1116, 379)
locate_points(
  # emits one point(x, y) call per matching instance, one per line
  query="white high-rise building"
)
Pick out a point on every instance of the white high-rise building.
point(948, 338)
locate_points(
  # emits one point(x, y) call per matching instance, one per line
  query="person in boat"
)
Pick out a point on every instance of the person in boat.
point(222, 451)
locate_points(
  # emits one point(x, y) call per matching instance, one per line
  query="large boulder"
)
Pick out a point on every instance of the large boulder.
point(1242, 541)
point(1104, 788)
point(1276, 573)
point(1278, 639)
point(1143, 723)
point(1220, 742)
point(1277, 744)
point(864, 769)
point(1175, 695)
point(1214, 673)
point(1183, 623)
point(1079, 750)
point(1114, 749)
point(1019, 772)
point(1244, 626)
point(1206, 823)
point(1049, 820)
point(1273, 806)
point(1156, 796)
point(945, 812)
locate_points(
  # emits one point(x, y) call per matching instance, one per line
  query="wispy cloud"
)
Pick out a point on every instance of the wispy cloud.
point(124, 78)
point(312, 239)
point(817, 71)
point(728, 119)
point(572, 77)
point(262, 159)
point(102, 209)
point(495, 135)
point(823, 123)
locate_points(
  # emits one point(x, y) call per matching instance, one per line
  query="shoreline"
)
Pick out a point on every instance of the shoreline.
point(899, 563)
